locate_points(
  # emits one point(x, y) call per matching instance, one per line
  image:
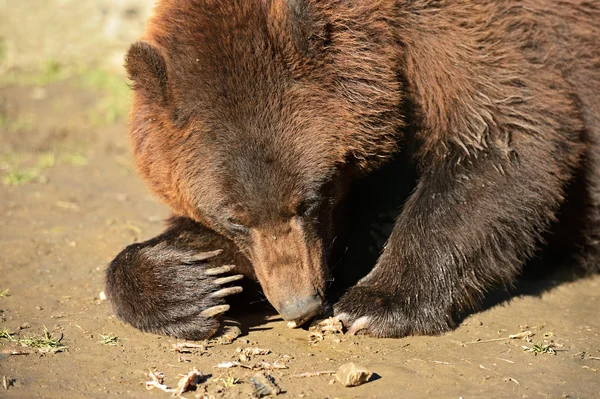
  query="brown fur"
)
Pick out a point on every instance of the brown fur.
point(249, 113)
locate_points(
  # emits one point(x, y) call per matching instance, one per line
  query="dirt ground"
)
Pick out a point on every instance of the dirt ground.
point(70, 201)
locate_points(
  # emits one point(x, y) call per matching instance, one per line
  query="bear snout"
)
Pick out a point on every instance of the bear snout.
point(290, 268)
point(300, 310)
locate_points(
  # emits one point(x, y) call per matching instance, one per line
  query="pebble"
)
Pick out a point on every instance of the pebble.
point(351, 375)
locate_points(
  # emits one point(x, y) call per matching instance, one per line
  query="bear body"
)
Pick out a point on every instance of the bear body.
point(257, 121)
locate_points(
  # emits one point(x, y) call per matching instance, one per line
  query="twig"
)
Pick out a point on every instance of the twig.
point(313, 374)
point(524, 334)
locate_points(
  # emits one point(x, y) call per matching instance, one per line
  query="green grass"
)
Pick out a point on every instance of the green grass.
point(109, 340)
point(17, 177)
point(228, 381)
point(46, 343)
point(4, 293)
point(5, 334)
point(541, 348)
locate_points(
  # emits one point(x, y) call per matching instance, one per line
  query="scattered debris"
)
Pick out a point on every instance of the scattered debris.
point(228, 365)
point(351, 375)
point(319, 329)
point(313, 374)
point(329, 325)
point(157, 380)
point(184, 347)
point(250, 351)
point(264, 385)
point(102, 296)
point(525, 334)
point(229, 332)
point(247, 353)
point(188, 382)
point(271, 366)
point(258, 366)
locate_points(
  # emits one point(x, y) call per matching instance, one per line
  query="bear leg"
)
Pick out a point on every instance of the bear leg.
point(465, 228)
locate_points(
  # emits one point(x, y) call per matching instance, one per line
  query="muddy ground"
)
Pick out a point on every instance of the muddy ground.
point(70, 200)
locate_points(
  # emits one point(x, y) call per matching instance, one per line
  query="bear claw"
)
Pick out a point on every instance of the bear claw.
point(226, 291)
point(214, 311)
point(359, 324)
point(228, 279)
point(206, 255)
point(219, 270)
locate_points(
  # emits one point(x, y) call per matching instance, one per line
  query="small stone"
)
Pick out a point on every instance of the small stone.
point(351, 375)
point(264, 385)
point(102, 296)
point(291, 324)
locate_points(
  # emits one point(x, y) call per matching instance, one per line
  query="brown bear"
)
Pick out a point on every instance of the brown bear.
point(260, 122)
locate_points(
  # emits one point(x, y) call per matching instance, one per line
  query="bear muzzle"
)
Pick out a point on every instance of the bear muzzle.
point(291, 270)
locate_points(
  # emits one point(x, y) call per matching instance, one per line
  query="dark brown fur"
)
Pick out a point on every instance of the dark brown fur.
point(254, 118)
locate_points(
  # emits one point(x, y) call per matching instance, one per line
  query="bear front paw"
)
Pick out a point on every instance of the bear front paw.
point(367, 310)
point(171, 291)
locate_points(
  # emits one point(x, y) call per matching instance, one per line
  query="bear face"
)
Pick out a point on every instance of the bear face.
point(243, 125)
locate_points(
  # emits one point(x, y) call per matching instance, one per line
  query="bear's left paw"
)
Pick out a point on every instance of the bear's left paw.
point(370, 311)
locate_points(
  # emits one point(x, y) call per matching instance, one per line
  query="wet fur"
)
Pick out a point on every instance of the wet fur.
point(495, 104)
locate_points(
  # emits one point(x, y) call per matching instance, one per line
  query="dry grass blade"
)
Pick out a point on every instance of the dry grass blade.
point(313, 374)
point(521, 335)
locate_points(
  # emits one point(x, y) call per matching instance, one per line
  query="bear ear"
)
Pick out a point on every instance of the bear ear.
point(147, 70)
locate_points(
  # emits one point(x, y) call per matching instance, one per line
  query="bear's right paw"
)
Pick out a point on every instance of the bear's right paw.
point(171, 291)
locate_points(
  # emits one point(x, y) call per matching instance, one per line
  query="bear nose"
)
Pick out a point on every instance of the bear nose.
point(300, 310)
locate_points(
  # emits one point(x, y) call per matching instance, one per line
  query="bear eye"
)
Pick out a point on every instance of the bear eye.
point(307, 208)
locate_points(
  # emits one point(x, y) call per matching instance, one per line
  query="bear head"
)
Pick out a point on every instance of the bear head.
point(252, 118)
